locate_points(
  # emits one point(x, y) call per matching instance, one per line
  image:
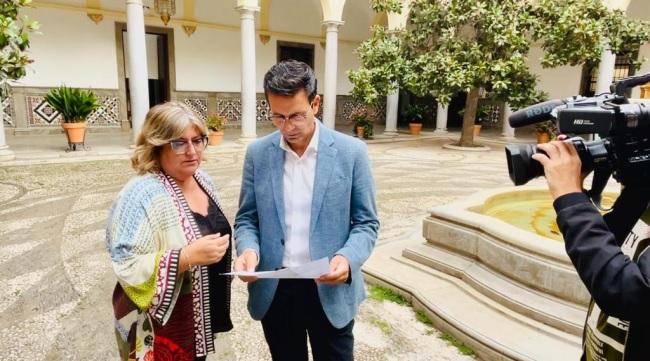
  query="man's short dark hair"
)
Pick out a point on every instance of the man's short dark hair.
point(288, 77)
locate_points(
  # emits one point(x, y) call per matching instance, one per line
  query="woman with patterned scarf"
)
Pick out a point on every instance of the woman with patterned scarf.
point(169, 239)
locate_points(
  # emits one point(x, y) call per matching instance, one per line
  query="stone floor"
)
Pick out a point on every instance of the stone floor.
point(56, 275)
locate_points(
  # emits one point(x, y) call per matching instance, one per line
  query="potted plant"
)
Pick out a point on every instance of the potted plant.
point(215, 124)
point(74, 105)
point(362, 123)
point(482, 113)
point(415, 115)
point(545, 131)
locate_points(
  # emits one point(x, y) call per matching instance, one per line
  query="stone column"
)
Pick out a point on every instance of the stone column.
point(441, 119)
point(392, 101)
point(5, 152)
point(137, 55)
point(331, 60)
point(248, 94)
point(507, 132)
point(395, 21)
point(605, 71)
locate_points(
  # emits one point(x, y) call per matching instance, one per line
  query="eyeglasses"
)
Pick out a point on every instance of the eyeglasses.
point(182, 146)
point(296, 119)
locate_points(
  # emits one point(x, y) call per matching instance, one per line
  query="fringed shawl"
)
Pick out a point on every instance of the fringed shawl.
point(147, 226)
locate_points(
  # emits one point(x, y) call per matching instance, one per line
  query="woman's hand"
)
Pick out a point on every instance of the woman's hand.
point(205, 250)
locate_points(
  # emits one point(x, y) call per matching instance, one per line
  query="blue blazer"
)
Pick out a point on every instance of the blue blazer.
point(343, 217)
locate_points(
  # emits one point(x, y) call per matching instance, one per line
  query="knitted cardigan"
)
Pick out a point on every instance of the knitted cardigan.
point(148, 224)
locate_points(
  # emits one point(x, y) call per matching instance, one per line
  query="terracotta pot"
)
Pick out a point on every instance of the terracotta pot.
point(543, 138)
point(75, 132)
point(477, 130)
point(360, 132)
point(415, 128)
point(215, 137)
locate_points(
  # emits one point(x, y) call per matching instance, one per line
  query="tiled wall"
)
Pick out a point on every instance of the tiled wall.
point(36, 113)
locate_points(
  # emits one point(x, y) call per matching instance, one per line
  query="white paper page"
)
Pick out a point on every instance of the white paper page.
point(312, 269)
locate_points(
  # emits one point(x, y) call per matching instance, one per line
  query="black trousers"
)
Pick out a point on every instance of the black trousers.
point(296, 312)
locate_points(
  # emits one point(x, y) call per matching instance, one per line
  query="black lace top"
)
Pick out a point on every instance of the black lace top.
point(216, 222)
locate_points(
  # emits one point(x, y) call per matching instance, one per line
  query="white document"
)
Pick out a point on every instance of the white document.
point(313, 269)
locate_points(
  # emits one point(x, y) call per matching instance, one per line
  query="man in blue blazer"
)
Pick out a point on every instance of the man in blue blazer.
point(307, 192)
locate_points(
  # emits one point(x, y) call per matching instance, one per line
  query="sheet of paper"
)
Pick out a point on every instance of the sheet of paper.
point(312, 269)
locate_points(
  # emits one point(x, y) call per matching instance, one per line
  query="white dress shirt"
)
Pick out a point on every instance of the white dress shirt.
point(298, 188)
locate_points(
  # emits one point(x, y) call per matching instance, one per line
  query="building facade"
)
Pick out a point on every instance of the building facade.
point(212, 55)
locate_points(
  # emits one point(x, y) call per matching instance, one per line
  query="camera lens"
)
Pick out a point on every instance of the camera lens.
point(521, 166)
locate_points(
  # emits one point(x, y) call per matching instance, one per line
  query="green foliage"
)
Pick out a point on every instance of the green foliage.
point(482, 113)
point(215, 122)
point(414, 113)
point(74, 104)
point(382, 325)
point(360, 118)
point(459, 345)
point(14, 41)
point(422, 317)
point(546, 127)
point(450, 47)
point(394, 6)
point(380, 294)
point(582, 28)
point(381, 56)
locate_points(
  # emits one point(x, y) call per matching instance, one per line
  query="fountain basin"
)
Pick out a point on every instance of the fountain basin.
point(517, 259)
point(530, 259)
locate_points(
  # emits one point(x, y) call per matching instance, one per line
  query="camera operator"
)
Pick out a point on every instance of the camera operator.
point(609, 255)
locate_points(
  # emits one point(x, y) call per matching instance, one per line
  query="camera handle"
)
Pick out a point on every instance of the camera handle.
point(598, 183)
point(619, 87)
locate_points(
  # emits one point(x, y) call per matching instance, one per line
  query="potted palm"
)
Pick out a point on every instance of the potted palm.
point(415, 115)
point(215, 124)
point(362, 124)
point(74, 105)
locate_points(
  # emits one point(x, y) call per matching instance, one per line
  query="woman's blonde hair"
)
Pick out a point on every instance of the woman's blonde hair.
point(164, 123)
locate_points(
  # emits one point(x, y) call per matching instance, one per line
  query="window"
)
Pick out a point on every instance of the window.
point(297, 51)
point(622, 68)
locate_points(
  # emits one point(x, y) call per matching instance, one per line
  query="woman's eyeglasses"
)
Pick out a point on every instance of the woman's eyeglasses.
point(180, 146)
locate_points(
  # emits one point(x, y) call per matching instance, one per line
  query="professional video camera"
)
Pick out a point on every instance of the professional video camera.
point(623, 149)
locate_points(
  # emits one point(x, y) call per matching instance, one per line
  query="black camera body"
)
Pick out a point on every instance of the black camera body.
point(622, 151)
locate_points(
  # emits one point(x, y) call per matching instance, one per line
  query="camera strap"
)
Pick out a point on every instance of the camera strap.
point(627, 210)
point(598, 183)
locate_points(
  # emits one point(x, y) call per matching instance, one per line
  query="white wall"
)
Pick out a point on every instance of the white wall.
point(71, 50)
point(645, 67)
point(348, 60)
point(210, 60)
point(560, 82)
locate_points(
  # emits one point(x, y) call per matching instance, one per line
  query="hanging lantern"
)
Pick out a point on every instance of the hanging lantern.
point(166, 9)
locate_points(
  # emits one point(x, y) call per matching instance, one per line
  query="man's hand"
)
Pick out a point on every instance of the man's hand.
point(247, 261)
point(561, 167)
point(339, 271)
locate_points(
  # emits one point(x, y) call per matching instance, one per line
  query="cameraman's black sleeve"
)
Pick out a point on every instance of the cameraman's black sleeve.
point(620, 287)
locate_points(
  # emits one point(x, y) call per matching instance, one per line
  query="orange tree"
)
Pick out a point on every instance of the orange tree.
point(453, 46)
point(14, 41)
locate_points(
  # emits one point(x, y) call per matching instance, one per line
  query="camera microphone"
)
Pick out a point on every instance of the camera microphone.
point(534, 113)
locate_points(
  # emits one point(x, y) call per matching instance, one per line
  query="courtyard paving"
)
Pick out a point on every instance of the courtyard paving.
point(57, 280)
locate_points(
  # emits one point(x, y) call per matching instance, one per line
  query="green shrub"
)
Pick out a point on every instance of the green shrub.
point(74, 104)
